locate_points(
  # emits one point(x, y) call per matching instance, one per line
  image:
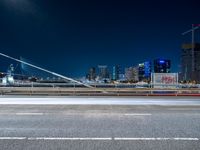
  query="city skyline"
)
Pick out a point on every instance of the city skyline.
point(70, 37)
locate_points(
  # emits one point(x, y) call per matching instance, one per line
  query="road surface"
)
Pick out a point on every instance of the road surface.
point(112, 126)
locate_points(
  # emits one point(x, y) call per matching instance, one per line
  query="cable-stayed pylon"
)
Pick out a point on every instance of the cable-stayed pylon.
point(45, 70)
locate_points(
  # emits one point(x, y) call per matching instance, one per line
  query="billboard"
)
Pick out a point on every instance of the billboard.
point(164, 80)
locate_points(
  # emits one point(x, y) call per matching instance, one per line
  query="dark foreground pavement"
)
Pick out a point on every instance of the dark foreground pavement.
point(90, 127)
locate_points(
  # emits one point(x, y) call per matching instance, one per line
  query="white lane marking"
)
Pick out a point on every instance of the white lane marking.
point(156, 139)
point(99, 101)
point(186, 139)
point(21, 114)
point(29, 114)
point(70, 139)
point(99, 139)
point(12, 138)
point(137, 114)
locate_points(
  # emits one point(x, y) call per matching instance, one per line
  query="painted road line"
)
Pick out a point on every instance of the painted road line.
point(99, 139)
point(12, 138)
point(70, 139)
point(156, 139)
point(186, 139)
point(101, 101)
point(31, 114)
point(137, 114)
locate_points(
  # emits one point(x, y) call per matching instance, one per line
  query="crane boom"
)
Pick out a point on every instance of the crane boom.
point(186, 32)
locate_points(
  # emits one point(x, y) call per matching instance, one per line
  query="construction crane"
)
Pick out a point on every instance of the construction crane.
point(45, 70)
point(192, 30)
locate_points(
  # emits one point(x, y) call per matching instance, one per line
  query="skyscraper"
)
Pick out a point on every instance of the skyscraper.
point(186, 62)
point(162, 66)
point(103, 72)
point(92, 74)
point(116, 72)
point(131, 74)
point(144, 71)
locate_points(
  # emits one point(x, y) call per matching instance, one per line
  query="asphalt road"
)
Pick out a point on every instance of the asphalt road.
point(99, 127)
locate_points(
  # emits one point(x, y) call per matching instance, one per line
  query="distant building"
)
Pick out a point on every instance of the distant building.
point(122, 77)
point(116, 72)
point(162, 66)
point(131, 74)
point(91, 76)
point(189, 73)
point(103, 72)
point(144, 71)
point(2, 74)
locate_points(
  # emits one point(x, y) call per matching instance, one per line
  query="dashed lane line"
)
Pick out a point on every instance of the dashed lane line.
point(137, 114)
point(29, 114)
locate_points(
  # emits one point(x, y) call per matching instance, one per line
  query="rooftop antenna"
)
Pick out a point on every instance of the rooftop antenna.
point(45, 70)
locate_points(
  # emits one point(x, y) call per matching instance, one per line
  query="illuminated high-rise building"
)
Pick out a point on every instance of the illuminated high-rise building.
point(103, 72)
point(116, 72)
point(144, 71)
point(131, 74)
point(162, 66)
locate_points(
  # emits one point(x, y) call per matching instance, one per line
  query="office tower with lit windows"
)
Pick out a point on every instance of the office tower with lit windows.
point(103, 72)
point(115, 72)
point(162, 66)
point(144, 71)
point(131, 74)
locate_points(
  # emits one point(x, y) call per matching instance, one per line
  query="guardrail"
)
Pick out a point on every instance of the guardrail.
point(121, 85)
point(62, 91)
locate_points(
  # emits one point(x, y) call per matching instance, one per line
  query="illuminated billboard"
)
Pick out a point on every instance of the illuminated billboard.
point(165, 80)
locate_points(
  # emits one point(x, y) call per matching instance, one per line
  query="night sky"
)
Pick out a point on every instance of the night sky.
point(69, 36)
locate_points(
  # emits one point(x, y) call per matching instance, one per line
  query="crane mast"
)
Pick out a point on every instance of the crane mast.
point(192, 30)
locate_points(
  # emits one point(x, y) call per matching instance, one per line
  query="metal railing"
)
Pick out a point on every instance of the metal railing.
point(100, 85)
point(66, 89)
